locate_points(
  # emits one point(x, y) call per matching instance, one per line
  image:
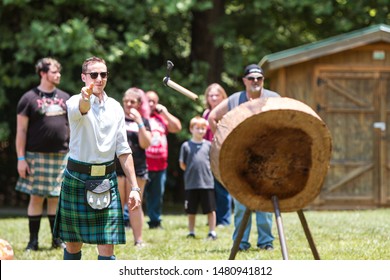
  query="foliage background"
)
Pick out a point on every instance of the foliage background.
point(207, 40)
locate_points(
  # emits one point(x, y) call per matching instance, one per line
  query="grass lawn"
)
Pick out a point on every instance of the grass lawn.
point(338, 235)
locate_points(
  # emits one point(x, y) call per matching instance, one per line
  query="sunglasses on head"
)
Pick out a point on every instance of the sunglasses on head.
point(94, 75)
point(255, 78)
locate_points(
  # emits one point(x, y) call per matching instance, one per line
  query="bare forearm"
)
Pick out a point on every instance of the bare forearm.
point(20, 143)
point(174, 124)
point(134, 199)
point(212, 125)
point(21, 135)
point(127, 163)
point(144, 138)
point(216, 115)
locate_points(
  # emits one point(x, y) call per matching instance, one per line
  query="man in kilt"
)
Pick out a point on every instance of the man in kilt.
point(42, 140)
point(89, 209)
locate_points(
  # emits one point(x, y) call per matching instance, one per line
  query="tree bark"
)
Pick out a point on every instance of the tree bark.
point(203, 47)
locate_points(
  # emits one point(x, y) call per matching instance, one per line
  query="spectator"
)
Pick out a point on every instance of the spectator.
point(139, 137)
point(253, 80)
point(42, 141)
point(198, 179)
point(89, 209)
point(161, 123)
point(214, 94)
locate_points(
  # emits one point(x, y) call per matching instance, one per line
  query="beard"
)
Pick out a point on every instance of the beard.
point(256, 88)
point(54, 81)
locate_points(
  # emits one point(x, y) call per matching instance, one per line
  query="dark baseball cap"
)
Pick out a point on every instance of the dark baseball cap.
point(253, 68)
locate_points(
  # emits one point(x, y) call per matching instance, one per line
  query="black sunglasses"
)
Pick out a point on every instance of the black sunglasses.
point(94, 75)
point(255, 78)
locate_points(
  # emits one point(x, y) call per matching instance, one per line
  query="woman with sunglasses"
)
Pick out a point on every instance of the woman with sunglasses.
point(139, 137)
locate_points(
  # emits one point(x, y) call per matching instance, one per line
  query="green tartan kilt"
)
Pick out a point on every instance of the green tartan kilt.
point(76, 221)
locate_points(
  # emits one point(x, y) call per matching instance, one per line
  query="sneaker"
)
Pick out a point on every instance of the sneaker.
point(58, 243)
point(32, 246)
point(267, 248)
point(244, 247)
point(139, 244)
point(156, 227)
point(191, 235)
point(211, 237)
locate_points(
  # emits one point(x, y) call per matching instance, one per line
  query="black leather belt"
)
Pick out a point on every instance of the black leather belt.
point(91, 169)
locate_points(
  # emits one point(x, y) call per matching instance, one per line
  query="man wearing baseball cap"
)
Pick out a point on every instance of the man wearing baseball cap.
point(253, 80)
point(253, 68)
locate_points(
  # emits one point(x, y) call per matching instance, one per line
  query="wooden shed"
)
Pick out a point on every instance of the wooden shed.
point(346, 80)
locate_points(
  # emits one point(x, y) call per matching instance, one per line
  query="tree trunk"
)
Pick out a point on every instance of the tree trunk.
point(202, 45)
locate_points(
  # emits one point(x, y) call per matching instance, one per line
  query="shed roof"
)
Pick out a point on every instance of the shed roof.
point(335, 44)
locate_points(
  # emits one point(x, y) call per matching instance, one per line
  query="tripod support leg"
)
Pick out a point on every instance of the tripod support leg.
point(240, 234)
point(308, 235)
point(279, 224)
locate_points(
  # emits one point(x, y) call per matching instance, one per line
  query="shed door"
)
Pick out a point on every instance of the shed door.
point(355, 105)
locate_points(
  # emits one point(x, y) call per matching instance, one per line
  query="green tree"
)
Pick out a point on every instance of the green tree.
point(207, 40)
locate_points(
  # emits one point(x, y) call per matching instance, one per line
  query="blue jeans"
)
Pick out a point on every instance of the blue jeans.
point(224, 204)
point(263, 223)
point(154, 193)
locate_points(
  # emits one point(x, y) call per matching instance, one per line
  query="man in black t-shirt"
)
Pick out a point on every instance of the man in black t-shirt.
point(42, 138)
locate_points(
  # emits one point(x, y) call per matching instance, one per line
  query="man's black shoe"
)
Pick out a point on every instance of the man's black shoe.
point(32, 246)
point(155, 226)
point(191, 235)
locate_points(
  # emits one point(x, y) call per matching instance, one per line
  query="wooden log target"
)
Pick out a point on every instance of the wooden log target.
point(272, 146)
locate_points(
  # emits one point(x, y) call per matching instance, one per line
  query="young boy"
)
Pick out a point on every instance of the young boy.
point(194, 159)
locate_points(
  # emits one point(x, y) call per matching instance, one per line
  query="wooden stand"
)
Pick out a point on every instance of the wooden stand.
point(279, 224)
point(272, 155)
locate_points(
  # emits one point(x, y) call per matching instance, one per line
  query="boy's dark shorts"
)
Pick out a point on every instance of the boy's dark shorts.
point(206, 198)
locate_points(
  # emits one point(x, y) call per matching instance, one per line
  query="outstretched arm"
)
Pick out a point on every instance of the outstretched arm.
point(84, 103)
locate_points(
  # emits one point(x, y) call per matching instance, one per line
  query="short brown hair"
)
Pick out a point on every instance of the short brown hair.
point(89, 61)
point(43, 65)
point(197, 120)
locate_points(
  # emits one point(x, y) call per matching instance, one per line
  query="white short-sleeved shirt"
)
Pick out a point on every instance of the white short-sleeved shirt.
point(99, 135)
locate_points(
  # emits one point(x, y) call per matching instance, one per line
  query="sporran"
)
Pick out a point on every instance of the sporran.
point(98, 193)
